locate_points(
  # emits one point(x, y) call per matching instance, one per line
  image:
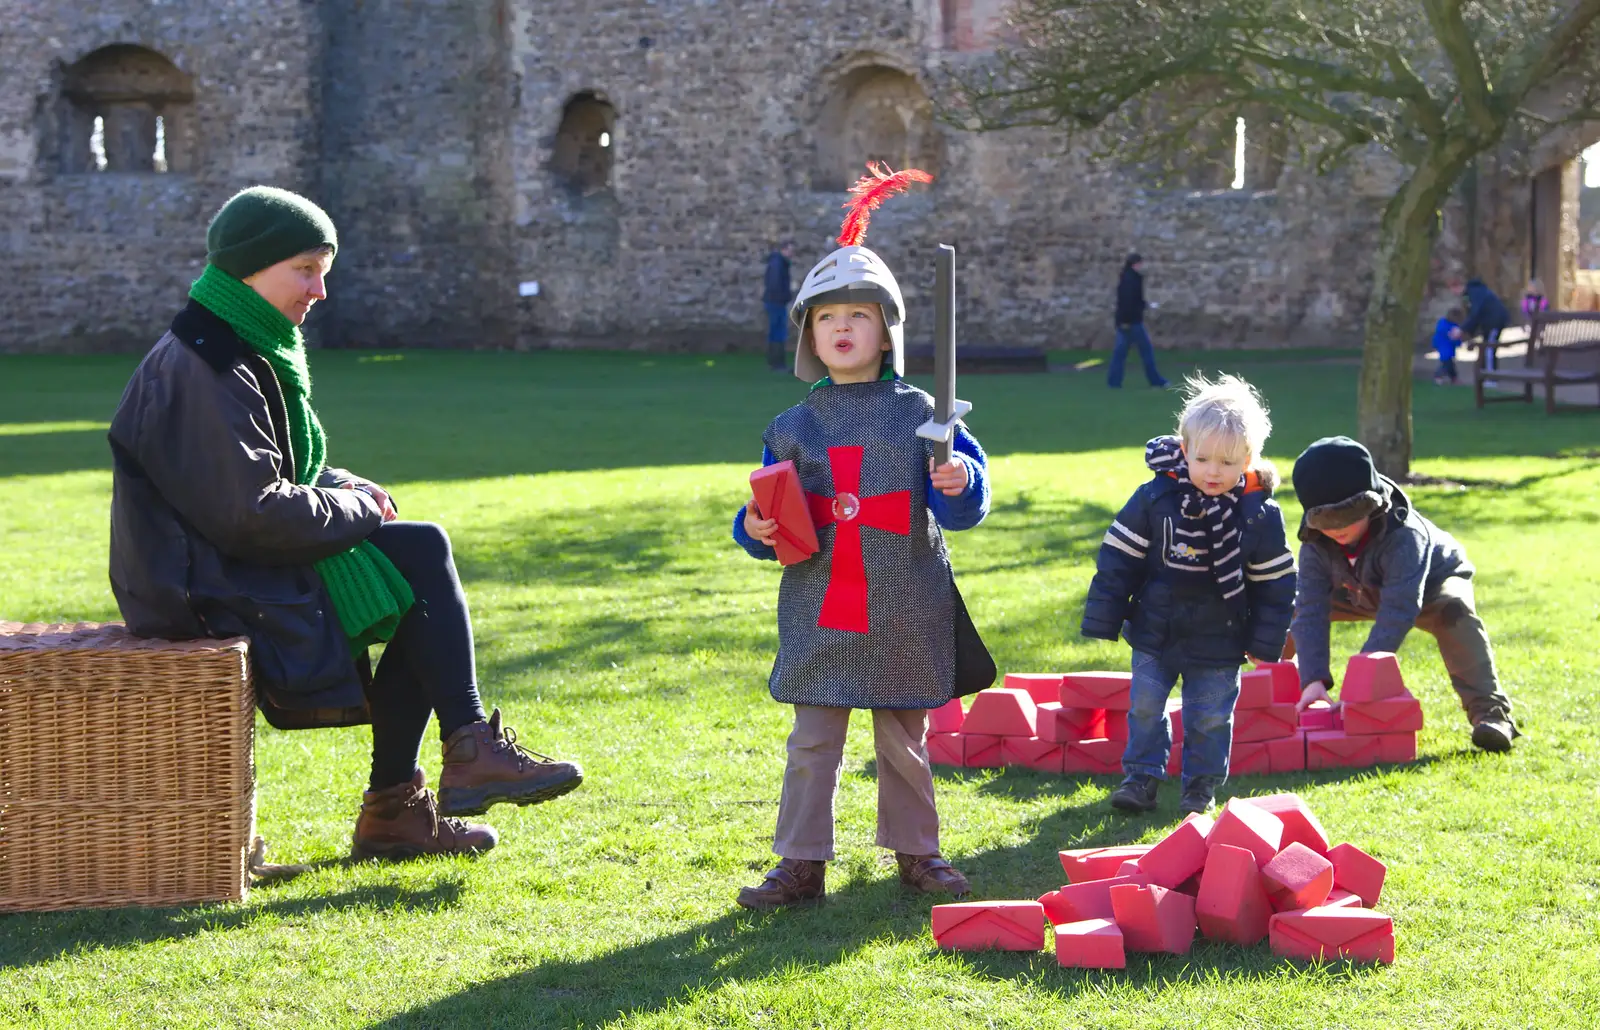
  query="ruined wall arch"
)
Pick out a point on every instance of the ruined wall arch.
point(873, 109)
point(583, 153)
point(124, 108)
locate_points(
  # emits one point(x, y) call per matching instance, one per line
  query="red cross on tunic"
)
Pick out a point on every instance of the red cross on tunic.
point(844, 604)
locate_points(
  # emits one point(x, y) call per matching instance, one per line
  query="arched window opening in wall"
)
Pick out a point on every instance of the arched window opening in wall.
point(584, 152)
point(125, 108)
point(874, 113)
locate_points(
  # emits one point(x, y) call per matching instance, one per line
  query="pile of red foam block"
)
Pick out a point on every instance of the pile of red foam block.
point(1262, 868)
point(1077, 722)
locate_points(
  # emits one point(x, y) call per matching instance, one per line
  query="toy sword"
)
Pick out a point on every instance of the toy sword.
point(947, 411)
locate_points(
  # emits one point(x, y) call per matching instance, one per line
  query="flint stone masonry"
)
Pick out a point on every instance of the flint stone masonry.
point(433, 133)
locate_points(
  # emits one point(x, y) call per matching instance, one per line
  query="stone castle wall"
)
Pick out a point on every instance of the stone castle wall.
point(456, 145)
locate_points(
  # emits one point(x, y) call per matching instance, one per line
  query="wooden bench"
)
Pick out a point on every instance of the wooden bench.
point(1555, 345)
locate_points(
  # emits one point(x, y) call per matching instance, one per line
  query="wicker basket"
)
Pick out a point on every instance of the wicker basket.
point(126, 768)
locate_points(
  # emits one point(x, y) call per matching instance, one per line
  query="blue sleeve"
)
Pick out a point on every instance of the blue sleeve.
point(1269, 584)
point(1313, 610)
point(968, 508)
point(1119, 572)
point(752, 546)
point(1404, 566)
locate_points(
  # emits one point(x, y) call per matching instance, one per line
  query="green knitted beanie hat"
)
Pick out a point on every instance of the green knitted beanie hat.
point(263, 225)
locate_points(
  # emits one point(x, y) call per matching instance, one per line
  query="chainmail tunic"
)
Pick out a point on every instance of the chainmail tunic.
point(906, 658)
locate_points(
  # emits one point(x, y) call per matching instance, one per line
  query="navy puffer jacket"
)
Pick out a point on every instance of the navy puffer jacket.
point(1164, 600)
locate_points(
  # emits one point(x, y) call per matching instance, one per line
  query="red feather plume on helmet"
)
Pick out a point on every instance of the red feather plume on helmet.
point(870, 191)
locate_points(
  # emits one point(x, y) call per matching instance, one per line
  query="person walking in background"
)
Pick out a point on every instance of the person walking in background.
point(1486, 315)
point(1130, 325)
point(1534, 301)
point(775, 297)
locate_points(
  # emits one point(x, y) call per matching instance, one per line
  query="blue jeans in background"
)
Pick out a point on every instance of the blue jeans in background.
point(777, 332)
point(1119, 356)
point(1209, 694)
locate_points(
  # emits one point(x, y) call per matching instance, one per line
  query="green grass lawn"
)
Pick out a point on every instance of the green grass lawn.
point(590, 497)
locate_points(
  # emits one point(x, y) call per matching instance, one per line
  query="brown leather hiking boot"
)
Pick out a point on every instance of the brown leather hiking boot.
point(484, 765)
point(792, 882)
point(931, 874)
point(403, 822)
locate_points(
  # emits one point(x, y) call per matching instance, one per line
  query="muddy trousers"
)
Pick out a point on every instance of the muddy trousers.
point(1452, 618)
point(907, 819)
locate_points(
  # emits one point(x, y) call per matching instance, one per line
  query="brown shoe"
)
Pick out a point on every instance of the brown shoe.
point(403, 822)
point(484, 765)
point(793, 881)
point(931, 874)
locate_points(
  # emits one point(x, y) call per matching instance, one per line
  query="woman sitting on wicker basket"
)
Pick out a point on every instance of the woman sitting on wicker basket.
point(226, 521)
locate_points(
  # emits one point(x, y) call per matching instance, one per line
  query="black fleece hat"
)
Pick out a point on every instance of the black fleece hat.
point(1337, 483)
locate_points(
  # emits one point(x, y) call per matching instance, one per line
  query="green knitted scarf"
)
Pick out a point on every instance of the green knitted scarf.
point(368, 592)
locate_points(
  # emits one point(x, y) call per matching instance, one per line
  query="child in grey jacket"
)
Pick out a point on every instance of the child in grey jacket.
point(1366, 554)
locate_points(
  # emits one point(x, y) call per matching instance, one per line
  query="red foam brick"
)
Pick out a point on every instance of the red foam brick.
point(1175, 763)
point(1031, 752)
point(981, 751)
point(1391, 715)
point(1066, 724)
point(1082, 864)
point(1397, 747)
point(1341, 898)
point(1130, 870)
point(1153, 918)
point(1371, 677)
point(1255, 689)
point(946, 749)
point(947, 718)
point(1090, 944)
point(1333, 933)
point(1178, 855)
point(1108, 690)
point(1320, 715)
point(1175, 720)
point(1092, 756)
point(1002, 712)
point(1286, 754)
point(1116, 727)
point(1297, 877)
point(1232, 905)
point(1300, 824)
point(1088, 900)
point(1285, 681)
point(1243, 825)
point(1247, 758)
point(1041, 686)
point(1265, 723)
point(1357, 872)
point(1332, 749)
point(983, 925)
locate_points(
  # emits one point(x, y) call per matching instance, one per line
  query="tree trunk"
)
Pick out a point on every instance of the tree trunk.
point(1400, 278)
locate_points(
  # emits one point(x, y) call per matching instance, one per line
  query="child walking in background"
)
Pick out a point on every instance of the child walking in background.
point(872, 619)
point(1534, 301)
point(1196, 575)
point(1444, 344)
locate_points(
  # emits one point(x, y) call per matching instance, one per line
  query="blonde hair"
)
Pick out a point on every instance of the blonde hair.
point(1227, 410)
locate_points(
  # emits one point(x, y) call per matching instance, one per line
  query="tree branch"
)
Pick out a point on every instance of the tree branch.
point(1540, 61)
point(1456, 40)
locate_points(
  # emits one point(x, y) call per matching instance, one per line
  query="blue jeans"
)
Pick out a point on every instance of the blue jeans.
point(777, 332)
point(1147, 354)
point(1209, 694)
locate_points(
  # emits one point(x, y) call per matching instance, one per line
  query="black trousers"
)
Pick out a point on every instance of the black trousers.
point(429, 665)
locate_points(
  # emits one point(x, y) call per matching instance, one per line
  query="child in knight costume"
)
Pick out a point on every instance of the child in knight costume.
point(872, 619)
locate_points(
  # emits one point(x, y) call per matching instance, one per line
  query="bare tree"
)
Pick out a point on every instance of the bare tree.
point(1432, 82)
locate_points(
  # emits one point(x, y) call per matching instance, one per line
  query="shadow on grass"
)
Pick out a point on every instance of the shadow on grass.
point(31, 938)
point(655, 975)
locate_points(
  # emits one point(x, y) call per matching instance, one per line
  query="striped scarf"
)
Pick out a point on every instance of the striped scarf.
point(1219, 516)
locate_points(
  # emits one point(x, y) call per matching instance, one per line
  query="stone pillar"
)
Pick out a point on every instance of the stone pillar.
point(1547, 232)
point(416, 172)
point(130, 137)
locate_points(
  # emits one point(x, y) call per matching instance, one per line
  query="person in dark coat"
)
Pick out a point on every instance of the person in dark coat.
point(1486, 314)
point(227, 521)
point(1130, 325)
point(775, 296)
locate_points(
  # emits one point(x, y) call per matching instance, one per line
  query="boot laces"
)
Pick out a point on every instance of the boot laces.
point(424, 797)
point(507, 742)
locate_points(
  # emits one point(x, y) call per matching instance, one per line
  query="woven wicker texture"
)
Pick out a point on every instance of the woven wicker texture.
point(126, 768)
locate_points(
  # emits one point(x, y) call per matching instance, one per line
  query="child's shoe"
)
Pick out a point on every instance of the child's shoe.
point(792, 881)
point(931, 874)
point(1199, 796)
point(1494, 733)
point(1136, 794)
